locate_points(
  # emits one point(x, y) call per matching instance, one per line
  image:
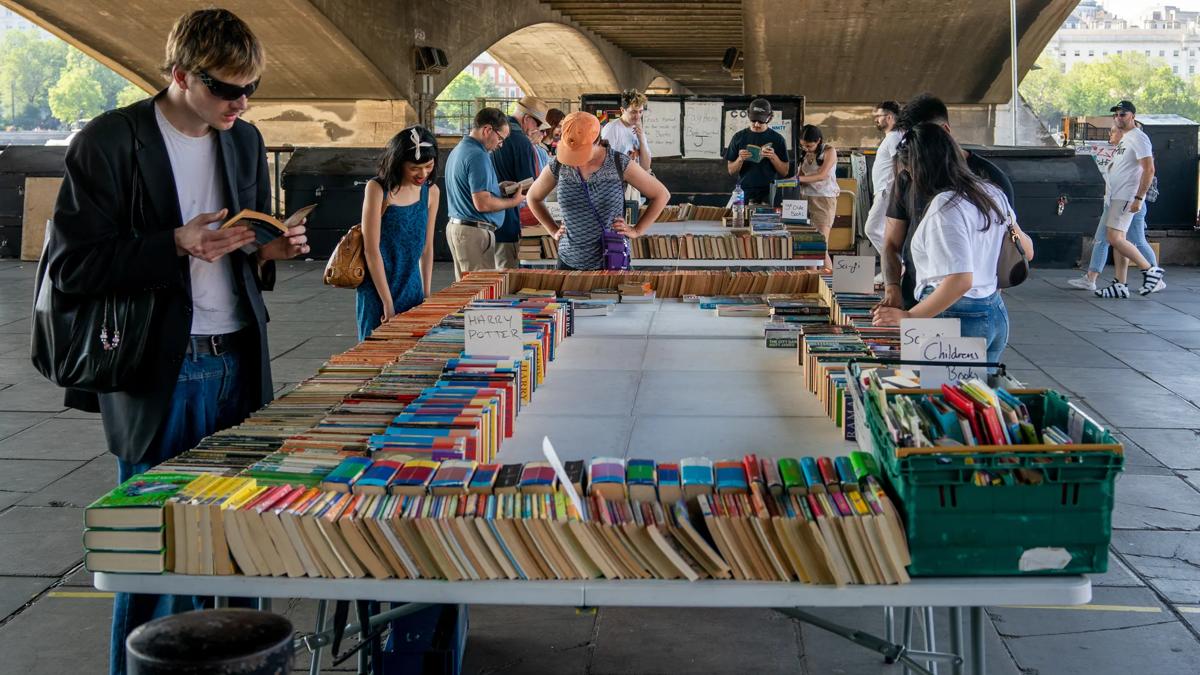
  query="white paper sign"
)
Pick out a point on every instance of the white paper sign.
point(736, 120)
point(853, 273)
point(563, 480)
point(661, 124)
point(795, 209)
point(702, 129)
point(950, 350)
point(914, 333)
point(494, 332)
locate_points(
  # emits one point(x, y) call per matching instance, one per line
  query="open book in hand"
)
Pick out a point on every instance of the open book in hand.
point(756, 152)
point(509, 188)
point(266, 228)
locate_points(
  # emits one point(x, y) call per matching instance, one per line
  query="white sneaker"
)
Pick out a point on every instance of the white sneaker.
point(1162, 285)
point(1083, 283)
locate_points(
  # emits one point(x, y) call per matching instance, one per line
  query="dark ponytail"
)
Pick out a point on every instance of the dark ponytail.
point(936, 164)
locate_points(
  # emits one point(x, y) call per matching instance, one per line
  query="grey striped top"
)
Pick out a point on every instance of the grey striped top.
point(580, 247)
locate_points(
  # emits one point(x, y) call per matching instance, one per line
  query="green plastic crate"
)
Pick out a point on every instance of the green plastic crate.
point(957, 528)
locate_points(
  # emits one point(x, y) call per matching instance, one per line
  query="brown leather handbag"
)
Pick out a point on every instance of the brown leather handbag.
point(347, 266)
point(1012, 267)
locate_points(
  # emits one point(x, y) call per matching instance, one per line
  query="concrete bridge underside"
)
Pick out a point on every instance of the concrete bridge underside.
point(341, 71)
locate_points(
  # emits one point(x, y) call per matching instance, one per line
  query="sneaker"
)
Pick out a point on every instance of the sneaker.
point(1162, 286)
point(1083, 283)
point(1151, 278)
point(1114, 290)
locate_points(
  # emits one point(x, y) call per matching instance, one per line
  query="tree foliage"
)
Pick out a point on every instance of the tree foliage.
point(1092, 88)
point(467, 87)
point(44, 82)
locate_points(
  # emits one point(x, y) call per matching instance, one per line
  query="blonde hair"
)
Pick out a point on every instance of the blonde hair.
point(213, 39)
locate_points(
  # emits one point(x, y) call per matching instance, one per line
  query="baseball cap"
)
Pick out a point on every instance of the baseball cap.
point(580, 130)
point(534, 106)
point(1126, 106)
point(759, 110)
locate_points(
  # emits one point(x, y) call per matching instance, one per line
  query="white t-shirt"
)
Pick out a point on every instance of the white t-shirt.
point(882, 173)
point(951, 240)
point(621, 137)
point(216, 306)
point(1125, 172)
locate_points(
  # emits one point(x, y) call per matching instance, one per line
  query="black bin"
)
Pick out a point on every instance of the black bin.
point(212, 642)
point(335, 179)
point(1175, 164)
point(16, 163)
point(1041, 176)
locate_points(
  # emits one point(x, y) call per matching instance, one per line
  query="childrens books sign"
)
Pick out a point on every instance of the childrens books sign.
point(853, 274)
point(952, 350)
point(494, 332)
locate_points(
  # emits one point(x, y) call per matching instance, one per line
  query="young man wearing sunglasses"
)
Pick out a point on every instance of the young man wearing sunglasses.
point(146, 188)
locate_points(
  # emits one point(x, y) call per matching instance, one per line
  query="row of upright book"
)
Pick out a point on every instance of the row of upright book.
point(813, 520)
point(669, 284)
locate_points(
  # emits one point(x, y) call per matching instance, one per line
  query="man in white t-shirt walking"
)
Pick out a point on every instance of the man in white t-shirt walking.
point(883, 171)
point(1128, 180)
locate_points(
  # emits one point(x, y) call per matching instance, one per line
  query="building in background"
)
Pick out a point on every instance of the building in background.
point(10, 20)
point(1093, 33)
point(487, 68)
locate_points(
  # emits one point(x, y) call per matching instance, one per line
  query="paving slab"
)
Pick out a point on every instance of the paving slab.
point(322, 347)
point(1183, 385)
point(1162, 411)
point(1121, 380)
point(1138, 460)
point(1118, 574)
point(716, 355)
point(13, 422)
point(1080, 354)
point(1163, 647)
point(16, 591)
point(1189, 339)
point(31, 475)
point(647, 640)
point(1140, 341)
point(40, 541)
point(615, 325)
point(1176, 448)
point(288, 369)
point(510, 640)
point(58, 635)
point(57, 439)
point(1153, 362)
point(1155, 502)
point(80, 487)
point(670, 437)
point(8, 498)
point(1169, 561)
point(1110, 608)
point(16, 369)
point(38, 396)
point(733, 394)
point(587, 392)
point(79, 578)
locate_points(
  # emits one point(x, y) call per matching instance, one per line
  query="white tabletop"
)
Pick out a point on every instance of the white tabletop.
point(662, 381)
point(944, 592)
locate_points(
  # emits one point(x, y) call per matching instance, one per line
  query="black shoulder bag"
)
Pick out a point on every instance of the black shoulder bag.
point(94, 343)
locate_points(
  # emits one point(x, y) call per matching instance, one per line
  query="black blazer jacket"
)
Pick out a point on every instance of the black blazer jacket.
point(91, 250)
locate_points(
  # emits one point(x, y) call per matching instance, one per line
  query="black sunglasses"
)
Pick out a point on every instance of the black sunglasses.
point(224, 90)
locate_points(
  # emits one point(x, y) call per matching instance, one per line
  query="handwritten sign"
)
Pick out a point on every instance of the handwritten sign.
point(736, 120)
point(914, 333)
point(795, 209)
point(494, 332)
point(702, 129)
point(661, 123)
point(951, 350)
point(853, 273)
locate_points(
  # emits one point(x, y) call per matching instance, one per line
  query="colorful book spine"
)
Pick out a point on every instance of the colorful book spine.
point(452, 477)
point(606, 476)
point(731, 477)
point(347, 472)
point(696, 476)
point(667, 478)
point(484, 479)
point(538, 478)
point(792, 476)
point(812, 475)
point(376, 479)
point(640, 480)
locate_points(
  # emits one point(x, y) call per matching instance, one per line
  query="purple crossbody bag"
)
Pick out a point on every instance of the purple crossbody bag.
point(614, 246)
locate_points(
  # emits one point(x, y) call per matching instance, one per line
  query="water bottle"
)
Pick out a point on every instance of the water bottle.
point(739, 206)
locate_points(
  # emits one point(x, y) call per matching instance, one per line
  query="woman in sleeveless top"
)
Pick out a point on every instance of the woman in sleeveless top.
point(818, 180)
point(398, 214)
point(590, 179)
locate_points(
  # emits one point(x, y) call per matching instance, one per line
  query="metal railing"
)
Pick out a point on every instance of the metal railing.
point(454, 117)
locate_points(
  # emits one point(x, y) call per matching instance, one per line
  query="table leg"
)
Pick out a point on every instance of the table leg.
point(220, 602)
point(931, 638)
point(977, 655)
point(906, 641)
point(956, 637)
point(314, 668)
point(889, 627)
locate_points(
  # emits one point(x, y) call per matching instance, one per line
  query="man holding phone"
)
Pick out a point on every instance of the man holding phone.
point(757, 176)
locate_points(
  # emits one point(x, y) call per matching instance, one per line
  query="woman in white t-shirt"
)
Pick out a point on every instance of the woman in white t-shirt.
point(957, 244)
point(817, 175)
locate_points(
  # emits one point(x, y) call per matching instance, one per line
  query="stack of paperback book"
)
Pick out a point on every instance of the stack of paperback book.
point(812, 520)
point(126, 527)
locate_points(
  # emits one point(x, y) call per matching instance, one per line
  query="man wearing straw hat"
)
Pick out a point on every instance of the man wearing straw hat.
point(516, 161)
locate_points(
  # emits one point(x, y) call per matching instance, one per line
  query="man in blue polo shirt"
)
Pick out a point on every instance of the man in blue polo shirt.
point(475, 203)
point(516, 161)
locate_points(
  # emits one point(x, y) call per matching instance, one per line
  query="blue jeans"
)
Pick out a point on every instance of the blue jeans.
point(1136, 236)
point(208, 397)
point(982, 317)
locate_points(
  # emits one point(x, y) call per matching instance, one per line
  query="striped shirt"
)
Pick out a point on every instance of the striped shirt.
point(580, 247)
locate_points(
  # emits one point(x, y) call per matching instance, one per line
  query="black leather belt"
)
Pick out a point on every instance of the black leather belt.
point(214, 345)
point(473, 223)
